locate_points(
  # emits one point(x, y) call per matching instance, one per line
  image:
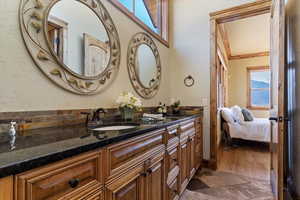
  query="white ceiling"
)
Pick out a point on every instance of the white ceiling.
point(249, 35)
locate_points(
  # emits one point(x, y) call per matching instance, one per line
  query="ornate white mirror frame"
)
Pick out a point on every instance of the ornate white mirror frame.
point(137, 40)
point(33, 16)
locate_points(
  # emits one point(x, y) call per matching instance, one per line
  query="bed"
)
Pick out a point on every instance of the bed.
point(257, 130)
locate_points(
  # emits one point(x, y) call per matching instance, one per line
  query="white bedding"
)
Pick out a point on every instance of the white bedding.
point(257, 130)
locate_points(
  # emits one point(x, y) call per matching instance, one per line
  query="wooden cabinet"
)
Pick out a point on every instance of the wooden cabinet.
point(6, 188)
point(156, 181)
point(153, 166)
point(188, 153)
point(73, 178)
point(198, 142)
point(129, 186)
point(192, 155)
point(172, 190)
point(136, 168)
point(184, 165)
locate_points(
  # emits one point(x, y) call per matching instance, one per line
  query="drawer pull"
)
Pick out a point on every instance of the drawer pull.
point(144, 174)
point(174, 159)
point(74, 183)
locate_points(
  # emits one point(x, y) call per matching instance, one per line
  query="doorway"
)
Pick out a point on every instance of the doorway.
point(276, 10)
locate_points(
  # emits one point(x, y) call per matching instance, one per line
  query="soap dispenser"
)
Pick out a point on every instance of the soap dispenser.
point(12, 134)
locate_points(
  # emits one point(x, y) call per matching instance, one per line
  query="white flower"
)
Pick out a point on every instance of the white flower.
point(127, 99)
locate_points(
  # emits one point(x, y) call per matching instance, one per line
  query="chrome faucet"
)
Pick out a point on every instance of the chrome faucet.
point(95, 120)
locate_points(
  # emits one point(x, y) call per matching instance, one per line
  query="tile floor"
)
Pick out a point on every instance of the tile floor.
point(218, 185)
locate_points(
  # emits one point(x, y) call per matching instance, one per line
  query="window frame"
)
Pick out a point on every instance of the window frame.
point(249, 89)
point(163, 37)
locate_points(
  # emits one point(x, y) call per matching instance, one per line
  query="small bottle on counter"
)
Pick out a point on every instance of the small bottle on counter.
point(12, 133)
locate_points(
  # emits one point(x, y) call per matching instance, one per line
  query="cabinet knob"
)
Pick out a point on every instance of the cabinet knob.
point(149, 171)
point(174, 159)
point(74, 183)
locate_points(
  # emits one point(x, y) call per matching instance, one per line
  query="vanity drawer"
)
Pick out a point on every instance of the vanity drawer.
point(187, 125)
point(172, 134)
point(63, 180)
point(125, 155)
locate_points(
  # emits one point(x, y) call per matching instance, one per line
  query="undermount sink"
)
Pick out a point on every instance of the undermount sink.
point(113, 128)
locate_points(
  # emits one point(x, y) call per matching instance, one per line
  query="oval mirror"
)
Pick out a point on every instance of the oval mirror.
point(78, 39)
point(146, 65)
point(74, 42)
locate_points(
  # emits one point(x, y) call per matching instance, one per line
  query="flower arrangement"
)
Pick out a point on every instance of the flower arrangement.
point(176, 107)
point(162, 108)
point(128, 103)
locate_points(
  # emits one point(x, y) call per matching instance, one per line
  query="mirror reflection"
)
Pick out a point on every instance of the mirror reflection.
point(79, 38)
point(146, 65)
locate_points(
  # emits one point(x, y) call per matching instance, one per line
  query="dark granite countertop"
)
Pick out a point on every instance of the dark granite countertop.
point(39, 147)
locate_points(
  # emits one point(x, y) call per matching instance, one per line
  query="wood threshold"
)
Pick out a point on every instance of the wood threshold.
point(249, 55)
point(130, 15)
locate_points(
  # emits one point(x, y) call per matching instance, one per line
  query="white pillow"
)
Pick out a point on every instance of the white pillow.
point(227, 115)
point(237, 114)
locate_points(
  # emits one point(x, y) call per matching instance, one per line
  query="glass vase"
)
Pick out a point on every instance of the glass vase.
point(127, 113)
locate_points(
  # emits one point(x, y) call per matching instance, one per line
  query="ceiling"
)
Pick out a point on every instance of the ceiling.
point(249, 35)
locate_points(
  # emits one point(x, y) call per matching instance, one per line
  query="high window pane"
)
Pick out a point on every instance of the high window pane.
point(142, 13)
point(128, 4)
point(151, 15)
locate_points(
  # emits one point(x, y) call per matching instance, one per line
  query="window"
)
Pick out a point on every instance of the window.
point(152, 15)
point(259, 87)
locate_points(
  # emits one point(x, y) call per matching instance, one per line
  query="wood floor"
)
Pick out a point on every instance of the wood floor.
point(251, 160)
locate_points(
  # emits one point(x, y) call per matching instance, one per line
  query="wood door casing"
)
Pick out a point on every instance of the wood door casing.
point(277, 112)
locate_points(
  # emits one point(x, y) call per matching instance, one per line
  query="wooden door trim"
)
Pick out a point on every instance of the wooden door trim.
point(231, 14)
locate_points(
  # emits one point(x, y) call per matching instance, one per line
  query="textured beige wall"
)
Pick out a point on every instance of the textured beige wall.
point(237, 83)
point(23, 86)
point(190, 52)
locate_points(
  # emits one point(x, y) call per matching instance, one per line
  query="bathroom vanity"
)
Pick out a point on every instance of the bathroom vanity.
point(151, 161)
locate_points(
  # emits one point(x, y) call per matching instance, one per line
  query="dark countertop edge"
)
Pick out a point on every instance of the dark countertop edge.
point(16, 168)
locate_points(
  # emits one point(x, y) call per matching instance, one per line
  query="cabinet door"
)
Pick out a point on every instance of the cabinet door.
point(184, 169)
point(128, 192)
point(192, 156)
point(128, 187)
point(199, 143)
point(156, 182)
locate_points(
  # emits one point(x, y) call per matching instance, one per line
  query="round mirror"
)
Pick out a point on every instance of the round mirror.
point(146, 65)
point(78, 40)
